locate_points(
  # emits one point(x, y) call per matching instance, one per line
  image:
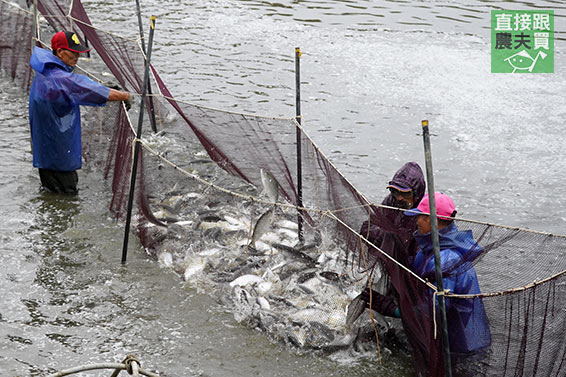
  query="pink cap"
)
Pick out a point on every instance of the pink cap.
point(444, 206)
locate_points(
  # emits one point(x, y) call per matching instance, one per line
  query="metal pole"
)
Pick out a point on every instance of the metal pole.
point(436, 248)
point(299, 154)
point(86, 45)
point(137, 145)
point(151, 107)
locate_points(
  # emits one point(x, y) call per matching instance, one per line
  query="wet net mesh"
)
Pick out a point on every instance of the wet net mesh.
point(200, 210)
point(16, 26)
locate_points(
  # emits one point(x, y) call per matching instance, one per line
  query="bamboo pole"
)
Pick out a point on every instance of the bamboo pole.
point(137, 144)
point(299, 151)
point(436, 248)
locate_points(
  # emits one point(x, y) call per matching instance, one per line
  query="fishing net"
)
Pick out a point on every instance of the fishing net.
point(200, 210)
point(16, 31)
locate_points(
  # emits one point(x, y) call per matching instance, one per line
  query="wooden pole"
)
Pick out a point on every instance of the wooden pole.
point(299, 152)
point(151, 107)
point(137, 145)
point(436, 248)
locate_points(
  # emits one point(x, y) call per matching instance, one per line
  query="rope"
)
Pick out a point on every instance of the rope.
point(480, 222)
point(117, 367)
point(17, 7)
point(370, 303)
point(103, 31)
point(223, 111)
point(509, 291)
point(330, 214)
point(222, 189)
point(434, 294)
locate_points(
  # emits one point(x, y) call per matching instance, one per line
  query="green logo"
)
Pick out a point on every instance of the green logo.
point(522, 41)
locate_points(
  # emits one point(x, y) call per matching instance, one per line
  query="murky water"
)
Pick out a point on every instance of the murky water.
point(370, 72)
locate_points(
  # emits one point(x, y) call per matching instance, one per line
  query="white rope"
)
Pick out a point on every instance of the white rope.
point(331, 214)
point(19, 8)
point(480, 222)
point(509, 291)
point(227, 111)
point(104, 31)
point(219, 188)
point(434, 294)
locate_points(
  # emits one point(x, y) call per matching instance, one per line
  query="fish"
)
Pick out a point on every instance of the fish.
point(246, 280)
point(194, 268)
point(311, 333)
point(165, 259)
point(329, 318)
point(323, 331)
point(355, 309)
point(297, 336)
point(270, 185)
point(262, 225)
point(341, 342)
point(330, 275)
point(263, 303)
point(309, 261)
point(288, 224)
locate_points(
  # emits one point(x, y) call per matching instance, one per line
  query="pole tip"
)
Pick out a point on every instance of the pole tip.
point(424, 123)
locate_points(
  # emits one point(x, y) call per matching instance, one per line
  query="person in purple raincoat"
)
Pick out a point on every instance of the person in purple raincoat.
point(392, 232)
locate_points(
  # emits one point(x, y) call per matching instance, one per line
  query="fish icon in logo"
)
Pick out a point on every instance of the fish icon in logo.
point(523, 60)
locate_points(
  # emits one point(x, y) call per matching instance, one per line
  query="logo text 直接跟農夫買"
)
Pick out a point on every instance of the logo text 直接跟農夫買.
point(522, 41)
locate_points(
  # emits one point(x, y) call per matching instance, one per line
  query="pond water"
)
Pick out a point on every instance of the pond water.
point(371, 71)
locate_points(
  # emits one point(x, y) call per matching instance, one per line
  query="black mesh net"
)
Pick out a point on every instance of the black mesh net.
point(200, 210)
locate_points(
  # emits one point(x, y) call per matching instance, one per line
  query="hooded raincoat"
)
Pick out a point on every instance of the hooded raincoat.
point(391, 230)
point(54, 114)
point(468, 326)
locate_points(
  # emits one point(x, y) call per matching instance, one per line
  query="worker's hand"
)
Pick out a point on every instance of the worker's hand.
point(380, 303)
point(128, 103)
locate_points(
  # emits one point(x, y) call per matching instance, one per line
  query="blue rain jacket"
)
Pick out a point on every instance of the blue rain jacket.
point(54, 113)
point(468, 327)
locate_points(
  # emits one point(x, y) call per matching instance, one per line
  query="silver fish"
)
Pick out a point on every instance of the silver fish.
point(246, 280)
point(270, 185)
point(342, 342)
point(262, 225)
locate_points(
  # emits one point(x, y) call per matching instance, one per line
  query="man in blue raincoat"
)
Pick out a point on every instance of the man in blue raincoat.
point(54, 114)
